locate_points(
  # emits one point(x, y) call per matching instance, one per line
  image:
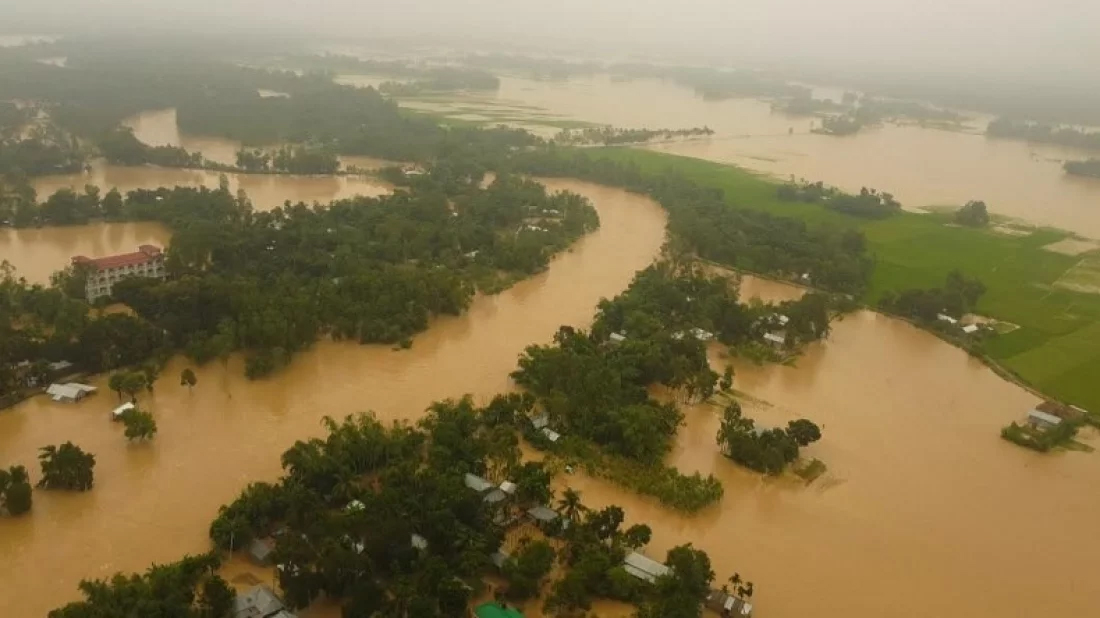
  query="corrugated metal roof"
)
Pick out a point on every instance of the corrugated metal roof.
point(644, 567)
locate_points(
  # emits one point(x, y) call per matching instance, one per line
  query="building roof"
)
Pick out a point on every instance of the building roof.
point(70, 391)
point(970, 328)
point(508, 487)
point(144, 254)
point(495, 610)
point(495, 496)
point(540, 421)
point(60, 365)
point(418, 542)
point(260, 549)
point(775, 338)
point(616, 337)
point(644, 567)
point(722, 602)
point(477, 483)
point(117, 412)
point(550, 434)
point(260, 602)
point(543, 513)
point(943, 317)
point(1039, 415)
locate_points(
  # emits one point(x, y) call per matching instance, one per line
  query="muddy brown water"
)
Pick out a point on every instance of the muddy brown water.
point(153, 502)
point(921, 166)
point(924, 510)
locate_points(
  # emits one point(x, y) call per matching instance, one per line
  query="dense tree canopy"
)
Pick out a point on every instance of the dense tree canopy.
point(15, 491)
point(973, 214)
point(66, 467)
point(185, 589)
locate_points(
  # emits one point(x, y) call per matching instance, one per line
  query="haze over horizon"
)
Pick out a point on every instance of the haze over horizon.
point(1005, 39)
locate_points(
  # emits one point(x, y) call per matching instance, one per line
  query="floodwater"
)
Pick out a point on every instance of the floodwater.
point(37, 253)
point(153, 502)
point(921, 166)
point(924, 510)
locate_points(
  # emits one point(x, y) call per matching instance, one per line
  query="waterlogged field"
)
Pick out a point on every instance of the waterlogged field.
point(1057, 345)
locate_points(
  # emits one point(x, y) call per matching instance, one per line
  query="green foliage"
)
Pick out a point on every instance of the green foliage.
point(1042, 440)
point(682, 592)
point(140, 425)
point(66, 467)
point(185, 589)
point(1089, 167)
point(738, 235)
point(763, 450)
point(958, 296)
point(188, 378)
point(15, 491)
point(869, 204)
point(527, 570)
point(1043, 133)
point(973, 214)
point(610, 136)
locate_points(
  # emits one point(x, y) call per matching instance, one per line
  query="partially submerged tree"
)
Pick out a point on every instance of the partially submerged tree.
point(188, 378)
point(973, 214)
point(140, 425)
point(66, 467)
point(15, 491)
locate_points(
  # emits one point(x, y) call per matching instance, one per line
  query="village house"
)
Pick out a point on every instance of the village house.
point(70, 392)
point(727, 605)
point(105, 272)
point(644, 567)
point(1042, 420)
point(616, 337)
point(260, 602)
point(776, 339)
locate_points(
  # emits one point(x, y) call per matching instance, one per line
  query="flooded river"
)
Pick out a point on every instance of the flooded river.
point(924, 510)
point(922, 167)
point(153, 502)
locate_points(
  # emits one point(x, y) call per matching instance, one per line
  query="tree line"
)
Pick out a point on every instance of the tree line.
point(705, 220)
point(271, 283)
point(1044, 133)
point(958, 296)
point(1088, 167)
point(868, 203)
point(611, 136)
point(593, 386)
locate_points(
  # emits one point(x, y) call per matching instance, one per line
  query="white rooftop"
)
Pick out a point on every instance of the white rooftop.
point(1039, 415)
point(477, 483)
point(70, 391)
point(775, 338)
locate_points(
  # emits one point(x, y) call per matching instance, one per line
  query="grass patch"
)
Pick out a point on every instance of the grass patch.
point(1056, 348)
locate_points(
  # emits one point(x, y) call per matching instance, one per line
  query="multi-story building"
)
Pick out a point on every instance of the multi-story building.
point(105, 272)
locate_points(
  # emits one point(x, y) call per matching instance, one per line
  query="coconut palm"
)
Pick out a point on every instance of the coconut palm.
point(570, 504)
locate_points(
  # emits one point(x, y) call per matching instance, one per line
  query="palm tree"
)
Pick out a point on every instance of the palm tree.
point(735, 580)
point(570, 504)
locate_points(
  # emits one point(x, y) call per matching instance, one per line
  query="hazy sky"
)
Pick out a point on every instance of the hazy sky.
point(1002, 36)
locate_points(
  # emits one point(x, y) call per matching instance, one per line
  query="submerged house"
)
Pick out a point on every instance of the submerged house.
point(1042, 420)
point(117, 413)
point(70, 392)
point(727, 605)
point(776, 339)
